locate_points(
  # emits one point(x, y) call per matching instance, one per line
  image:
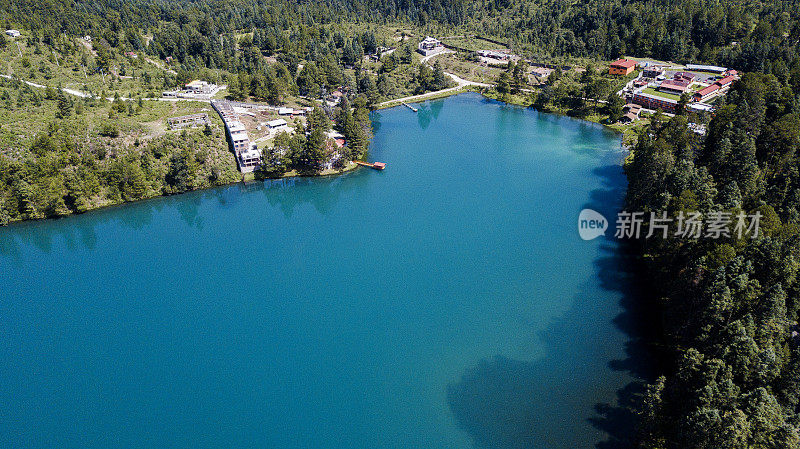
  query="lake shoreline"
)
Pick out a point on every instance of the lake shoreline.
point(250, 177)
point(249, 307)
point(482, 92)
point(245, 179)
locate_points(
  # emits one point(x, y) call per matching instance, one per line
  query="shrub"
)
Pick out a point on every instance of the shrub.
point(109, 129)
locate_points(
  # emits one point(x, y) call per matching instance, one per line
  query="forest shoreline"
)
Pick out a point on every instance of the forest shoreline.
point(251, 177)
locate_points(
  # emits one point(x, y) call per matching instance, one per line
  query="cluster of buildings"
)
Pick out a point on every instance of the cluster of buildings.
point(430, 46)
point(660, 88)
point(188, 121)
point(194, 90)
point(718, 88)
point(247, 154)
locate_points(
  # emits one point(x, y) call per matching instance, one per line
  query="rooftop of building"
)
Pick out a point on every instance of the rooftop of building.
point(625, 63)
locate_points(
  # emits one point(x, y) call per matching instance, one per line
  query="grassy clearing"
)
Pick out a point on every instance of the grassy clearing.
point(651, 91)
point(472, 71)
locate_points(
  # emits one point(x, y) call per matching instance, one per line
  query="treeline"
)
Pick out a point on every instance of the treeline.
point(266, 50)
point(752, 36)
point(744, 34)
point(728, 306)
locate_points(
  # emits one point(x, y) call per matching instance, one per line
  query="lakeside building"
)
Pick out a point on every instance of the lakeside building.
point(651, 101)
point(188, 121)
point(247, 154)
point(631, 113)
point(239, 137)
point(622, 67)
point(430, 46)
point(629, 117)
point(249, 159)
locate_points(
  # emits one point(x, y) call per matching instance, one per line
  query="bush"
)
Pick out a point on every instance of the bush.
point(109, 130)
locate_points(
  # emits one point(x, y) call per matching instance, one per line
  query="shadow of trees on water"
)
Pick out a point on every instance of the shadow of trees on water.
point(561, 400)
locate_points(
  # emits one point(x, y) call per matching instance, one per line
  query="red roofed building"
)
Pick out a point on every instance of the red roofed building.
point(705, 92)
point(718, 87)
point(622, 67)
point(725, 81)
point(674, 86)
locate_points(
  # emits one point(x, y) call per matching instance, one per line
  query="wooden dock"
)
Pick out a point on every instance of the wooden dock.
point(410, 107)
point(376, 165)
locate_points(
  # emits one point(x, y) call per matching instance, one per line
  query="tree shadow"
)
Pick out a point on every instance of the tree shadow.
point(561, 400)
point(321, 192)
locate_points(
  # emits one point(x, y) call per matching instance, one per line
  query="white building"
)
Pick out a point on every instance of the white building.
point(277, 125)
point(200, 87)
point(700, 107)
point(430, 46)
point(195, 89)
point(13, 33)
point(249, 159)
point(706, 68)
point(239, 137)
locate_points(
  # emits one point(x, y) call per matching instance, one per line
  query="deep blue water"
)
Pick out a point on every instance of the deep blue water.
point(446, 302)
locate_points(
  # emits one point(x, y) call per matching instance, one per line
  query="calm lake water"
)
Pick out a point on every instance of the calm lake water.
point(446, 302)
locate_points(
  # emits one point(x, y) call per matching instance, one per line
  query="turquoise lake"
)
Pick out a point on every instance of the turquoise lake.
point(446, 302)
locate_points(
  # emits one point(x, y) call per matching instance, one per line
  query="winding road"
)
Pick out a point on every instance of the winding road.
point(80, 94)
point(460, 84)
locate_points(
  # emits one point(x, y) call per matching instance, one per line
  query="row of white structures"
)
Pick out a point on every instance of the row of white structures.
point(247, 154)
